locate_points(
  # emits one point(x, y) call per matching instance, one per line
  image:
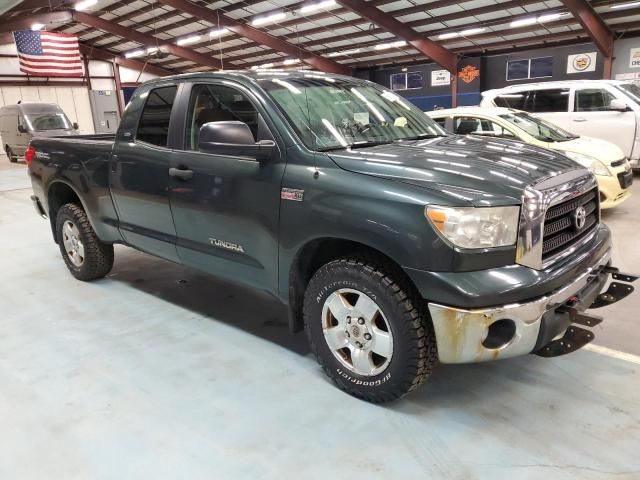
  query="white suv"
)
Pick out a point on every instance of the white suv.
point(606, 109)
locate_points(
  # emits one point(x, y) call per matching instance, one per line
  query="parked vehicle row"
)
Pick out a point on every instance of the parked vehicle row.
point(393, 243)
point(604, 109)
point(603, 158)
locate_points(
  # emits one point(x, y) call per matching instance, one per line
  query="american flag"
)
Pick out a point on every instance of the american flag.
point(48, 54)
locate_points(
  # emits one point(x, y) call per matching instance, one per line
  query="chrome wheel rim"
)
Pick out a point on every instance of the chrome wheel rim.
point(72, 243)
point(357, 332)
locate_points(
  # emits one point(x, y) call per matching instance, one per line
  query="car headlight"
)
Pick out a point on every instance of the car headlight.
point(593, 164)
point(476, 227)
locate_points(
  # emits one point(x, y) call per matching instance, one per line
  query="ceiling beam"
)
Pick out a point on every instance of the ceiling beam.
point(145, 39)
point(258, 36)
point(20, 22)
point(98, 54)
point(426, 46)
point(592, 24)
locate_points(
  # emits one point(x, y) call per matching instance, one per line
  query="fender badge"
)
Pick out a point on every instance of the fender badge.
point(226, 245)
point(292, 194)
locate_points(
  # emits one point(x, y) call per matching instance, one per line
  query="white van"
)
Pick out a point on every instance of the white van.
point(20, 122)
point(605, 109)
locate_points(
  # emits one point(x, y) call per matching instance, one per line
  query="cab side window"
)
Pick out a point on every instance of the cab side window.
point(479, 126)
point(218, 103)
point(551, 100)
point(511, 100)
point(153, 127)
point(592, 100)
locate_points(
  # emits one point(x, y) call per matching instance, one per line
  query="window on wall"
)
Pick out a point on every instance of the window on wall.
point(406, 81)
point(526, 69)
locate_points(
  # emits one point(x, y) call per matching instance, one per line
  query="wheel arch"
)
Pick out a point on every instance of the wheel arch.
point(316, 253)
point(60, 193)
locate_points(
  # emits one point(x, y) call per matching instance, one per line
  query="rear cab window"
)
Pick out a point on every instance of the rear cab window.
point(514, 100)
point(153, 127)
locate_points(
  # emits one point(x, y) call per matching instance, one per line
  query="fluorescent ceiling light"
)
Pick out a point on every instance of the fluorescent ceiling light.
point(384, 46)
point(218, 33)
point(274, 17)
point(625, 5)
point(188, 40)
point(472, 31)
point(291, 61)
point(134, 53)
point(152, 49)
point(317, 6)
point(444, 36)
point(344, 52)
point(550, 17)
point(523, 22)
point(85, 4)
point(37, 26)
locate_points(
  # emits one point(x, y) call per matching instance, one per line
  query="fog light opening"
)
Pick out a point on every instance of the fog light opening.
point(500, 333)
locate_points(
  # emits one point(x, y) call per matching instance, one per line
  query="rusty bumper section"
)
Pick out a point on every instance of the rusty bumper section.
point(479, 335)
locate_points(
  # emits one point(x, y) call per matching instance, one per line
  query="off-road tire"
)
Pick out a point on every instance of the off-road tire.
point(414, 345)
point(12, 158)
point(98, 258)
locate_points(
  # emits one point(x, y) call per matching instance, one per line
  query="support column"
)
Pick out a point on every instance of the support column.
point(116, 78)
point(454, 89)
point(607, 67)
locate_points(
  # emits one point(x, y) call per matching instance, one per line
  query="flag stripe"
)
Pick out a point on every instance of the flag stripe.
point(48, 53)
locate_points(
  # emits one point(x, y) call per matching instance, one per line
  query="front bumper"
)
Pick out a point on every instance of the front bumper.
point(611, 188)
point(465, 335)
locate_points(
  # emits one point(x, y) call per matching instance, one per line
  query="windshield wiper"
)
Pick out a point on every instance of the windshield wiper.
point(370, 143)
point(423, 136)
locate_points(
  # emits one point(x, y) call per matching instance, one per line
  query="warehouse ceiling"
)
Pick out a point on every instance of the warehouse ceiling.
point(185, 36)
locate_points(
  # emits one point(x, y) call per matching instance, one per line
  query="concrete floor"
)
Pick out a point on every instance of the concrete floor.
point(161, 372)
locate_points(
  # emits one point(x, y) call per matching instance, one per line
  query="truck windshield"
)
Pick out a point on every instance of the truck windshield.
point(331, 113)
point(631, 89)
point(538, 128)
point(49, 121)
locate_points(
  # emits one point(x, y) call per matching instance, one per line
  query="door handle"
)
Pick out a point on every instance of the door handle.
point(580, 119)
point(181, 173)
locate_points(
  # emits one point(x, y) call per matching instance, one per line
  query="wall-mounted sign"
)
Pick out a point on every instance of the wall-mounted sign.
point(634, 58)
point(468, 73)
point(582, 62)
point(628, 76)
point(440, 78)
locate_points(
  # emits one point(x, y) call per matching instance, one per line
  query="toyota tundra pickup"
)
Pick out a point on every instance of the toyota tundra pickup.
point(394, 244)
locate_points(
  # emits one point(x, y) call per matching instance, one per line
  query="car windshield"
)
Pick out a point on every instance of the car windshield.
point(538, 128)
point(631, 89)
point(49, 121)
point(331, 113)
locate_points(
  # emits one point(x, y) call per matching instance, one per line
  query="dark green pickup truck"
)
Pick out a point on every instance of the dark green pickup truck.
point(393, 243)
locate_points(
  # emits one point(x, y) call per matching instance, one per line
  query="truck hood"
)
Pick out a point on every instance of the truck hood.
point(477, 170)
point(603, 150)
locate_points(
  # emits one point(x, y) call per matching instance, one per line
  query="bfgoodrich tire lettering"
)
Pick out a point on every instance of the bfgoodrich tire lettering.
point(97, 256)
point(414, 347)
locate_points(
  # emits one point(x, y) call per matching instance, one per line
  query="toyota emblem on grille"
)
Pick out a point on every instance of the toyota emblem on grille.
point(580, 217)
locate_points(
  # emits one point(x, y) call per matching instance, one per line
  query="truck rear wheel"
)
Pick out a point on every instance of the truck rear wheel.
point(367, 330)
point(12, 158)
point(86, 257)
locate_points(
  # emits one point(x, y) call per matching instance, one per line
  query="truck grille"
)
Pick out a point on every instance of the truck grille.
point(560, 226)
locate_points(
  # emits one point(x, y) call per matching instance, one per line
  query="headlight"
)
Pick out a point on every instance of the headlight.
point(476, 227)
point(593, 164)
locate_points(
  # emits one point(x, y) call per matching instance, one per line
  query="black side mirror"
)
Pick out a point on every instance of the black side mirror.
point(21, 129)
point(75, 125)
point(234, 139)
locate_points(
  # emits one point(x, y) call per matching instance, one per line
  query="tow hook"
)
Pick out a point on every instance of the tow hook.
point(575, 337)
point(617, 290)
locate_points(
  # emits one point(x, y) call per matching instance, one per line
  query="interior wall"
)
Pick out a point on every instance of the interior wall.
point(494, 67)
point(622, 58)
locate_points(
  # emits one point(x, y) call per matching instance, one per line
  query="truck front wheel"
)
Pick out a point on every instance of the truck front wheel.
point(86, 257)
point(368, 330)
